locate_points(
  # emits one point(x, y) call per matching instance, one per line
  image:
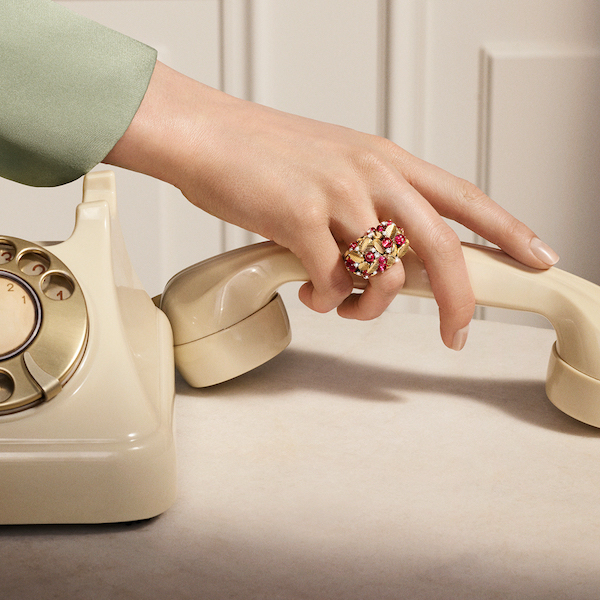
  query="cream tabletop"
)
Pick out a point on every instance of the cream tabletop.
point(365, 462)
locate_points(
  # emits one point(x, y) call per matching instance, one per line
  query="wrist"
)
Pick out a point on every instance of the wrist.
point(166, 129)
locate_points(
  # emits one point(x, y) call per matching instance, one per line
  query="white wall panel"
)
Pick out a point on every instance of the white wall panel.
point(541, 150)
point(445, 58)
point(543, 147)
point(411, 69)
point(452, 34)
point(318, 59)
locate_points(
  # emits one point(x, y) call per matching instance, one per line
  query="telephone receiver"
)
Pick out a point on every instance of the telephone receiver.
point(227, 317)
point(87, 359)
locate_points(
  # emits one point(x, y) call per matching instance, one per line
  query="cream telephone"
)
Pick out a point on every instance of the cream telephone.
point(87, 359)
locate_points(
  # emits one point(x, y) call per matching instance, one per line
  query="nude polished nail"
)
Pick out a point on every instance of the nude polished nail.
point(460, 338)
point(543, 252)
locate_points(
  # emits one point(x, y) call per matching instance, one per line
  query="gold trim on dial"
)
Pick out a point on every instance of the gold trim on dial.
point(54, 340)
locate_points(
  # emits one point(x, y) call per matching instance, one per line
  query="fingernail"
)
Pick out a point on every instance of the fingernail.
point(460, 338)
point(543, 252)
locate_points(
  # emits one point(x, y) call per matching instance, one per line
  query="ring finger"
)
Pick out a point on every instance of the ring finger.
point(374, 256)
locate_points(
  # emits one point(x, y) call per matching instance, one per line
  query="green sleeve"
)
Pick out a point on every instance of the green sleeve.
point(69, 89)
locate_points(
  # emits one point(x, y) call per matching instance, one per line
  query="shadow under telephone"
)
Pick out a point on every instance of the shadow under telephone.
point(87, 359)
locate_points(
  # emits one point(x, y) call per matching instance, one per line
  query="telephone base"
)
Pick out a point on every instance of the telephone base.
point(101, 452)
point(102, 449)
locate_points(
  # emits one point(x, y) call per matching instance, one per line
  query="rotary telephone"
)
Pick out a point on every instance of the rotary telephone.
point(87, 366)
point(87, 358)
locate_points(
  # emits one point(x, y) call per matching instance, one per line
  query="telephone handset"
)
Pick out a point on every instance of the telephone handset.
point(227, 318)
point(87, 358)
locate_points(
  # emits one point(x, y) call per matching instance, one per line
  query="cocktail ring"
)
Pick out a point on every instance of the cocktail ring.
point(377, 250)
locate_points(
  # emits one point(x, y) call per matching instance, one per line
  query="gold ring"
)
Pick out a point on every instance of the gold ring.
point(378, 249)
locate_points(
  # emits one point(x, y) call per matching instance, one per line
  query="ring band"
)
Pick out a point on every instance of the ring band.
point(378, 249)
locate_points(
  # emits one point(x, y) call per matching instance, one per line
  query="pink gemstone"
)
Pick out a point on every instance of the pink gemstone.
point(400, 239)
point(369, 257)
point(380, 228)
point(353, 245)
point(382, 268)
point(386, 243)
point(383, 260)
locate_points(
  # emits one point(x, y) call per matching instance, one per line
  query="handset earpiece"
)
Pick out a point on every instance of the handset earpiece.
point(227, 317)
point(226, 314)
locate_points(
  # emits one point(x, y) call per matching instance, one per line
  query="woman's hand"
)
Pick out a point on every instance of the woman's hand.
point(310, 186)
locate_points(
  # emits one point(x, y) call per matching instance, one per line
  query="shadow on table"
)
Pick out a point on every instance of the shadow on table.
point(311, 370)
point(218, 557)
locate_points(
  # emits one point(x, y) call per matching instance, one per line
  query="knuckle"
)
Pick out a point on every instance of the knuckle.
point(327, 297)
point(445, 243)
point(341, 287)
point(374, 163)
point(511, 228)
point(391, 282)
point(470, 193)
point(467, 306)
point(386, 147)
point(345, 186)
point(462, 309)
point(332, 290)
point(369, 309)
point(383, 291)
point(304, 221)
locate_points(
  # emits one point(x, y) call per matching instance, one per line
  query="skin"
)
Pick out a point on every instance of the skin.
point(311, 186)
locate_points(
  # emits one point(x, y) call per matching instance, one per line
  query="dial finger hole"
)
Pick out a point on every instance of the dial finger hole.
point(7, 252)
point(7, 387)
point(34, 263)
point(58, 286)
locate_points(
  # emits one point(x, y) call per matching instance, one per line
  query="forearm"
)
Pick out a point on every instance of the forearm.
point(163, 132)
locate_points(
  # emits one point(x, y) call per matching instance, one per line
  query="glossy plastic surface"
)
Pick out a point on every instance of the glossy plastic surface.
point(237, 349)
point(217, 294)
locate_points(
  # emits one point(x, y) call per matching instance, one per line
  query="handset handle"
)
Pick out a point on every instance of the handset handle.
point(221, 293)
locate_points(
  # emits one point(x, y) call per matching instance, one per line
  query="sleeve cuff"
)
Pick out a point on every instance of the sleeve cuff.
point(70, 88)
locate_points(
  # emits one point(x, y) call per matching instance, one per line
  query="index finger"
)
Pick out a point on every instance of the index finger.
point(463, 202)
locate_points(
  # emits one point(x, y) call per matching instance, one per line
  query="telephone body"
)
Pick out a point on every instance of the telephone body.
point(86, 378)
point(87, 359)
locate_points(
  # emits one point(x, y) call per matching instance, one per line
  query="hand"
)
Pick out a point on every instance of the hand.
point(309, 186)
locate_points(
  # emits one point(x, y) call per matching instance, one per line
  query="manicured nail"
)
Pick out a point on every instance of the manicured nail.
point(543, 252)
point(460, 338)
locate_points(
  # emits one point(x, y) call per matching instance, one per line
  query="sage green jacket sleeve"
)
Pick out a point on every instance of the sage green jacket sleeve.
point(69, 89)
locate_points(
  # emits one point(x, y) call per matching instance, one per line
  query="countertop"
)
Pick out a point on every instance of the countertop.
point(366, 461)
